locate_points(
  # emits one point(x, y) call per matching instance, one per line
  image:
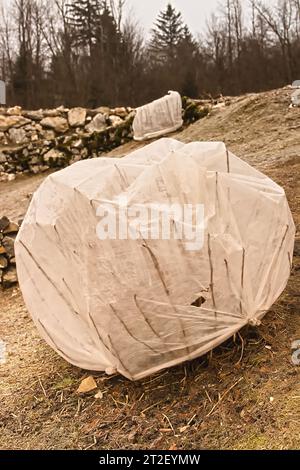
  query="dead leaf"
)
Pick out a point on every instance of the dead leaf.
point(183, 428)
point(99, 394)
point(173, 447)
point(87, 385)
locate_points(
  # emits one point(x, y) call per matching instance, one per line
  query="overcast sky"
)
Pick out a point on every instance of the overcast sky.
point(194, 12)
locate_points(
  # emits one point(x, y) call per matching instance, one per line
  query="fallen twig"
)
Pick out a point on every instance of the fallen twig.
point(223, 396)
point(169, 422)
point(42, 387)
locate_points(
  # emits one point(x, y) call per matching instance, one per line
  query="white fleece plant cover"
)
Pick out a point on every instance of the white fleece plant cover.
point(295, 98)
point(158, 118)
point(296, 84)
point(126, 305)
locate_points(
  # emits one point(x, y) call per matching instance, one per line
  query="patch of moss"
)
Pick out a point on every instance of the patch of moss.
point(64, 383)
point(194, 112)
point(184, 100)
point(254, 441)
point(122, 132)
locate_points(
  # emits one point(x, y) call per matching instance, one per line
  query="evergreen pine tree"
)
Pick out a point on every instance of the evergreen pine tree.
point(98, 42)
point(83, 18)
point(167, 33)
point(187, 60)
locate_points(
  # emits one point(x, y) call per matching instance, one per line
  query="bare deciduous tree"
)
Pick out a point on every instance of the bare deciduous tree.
point(49, 57)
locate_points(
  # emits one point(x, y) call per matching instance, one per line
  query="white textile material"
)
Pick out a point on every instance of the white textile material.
point(138, 306)
point(158, 118)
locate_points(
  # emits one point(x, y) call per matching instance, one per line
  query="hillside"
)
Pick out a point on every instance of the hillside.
point(243, 395)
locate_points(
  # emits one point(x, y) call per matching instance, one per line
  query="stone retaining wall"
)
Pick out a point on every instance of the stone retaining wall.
point(8, 233)
point(34, 141)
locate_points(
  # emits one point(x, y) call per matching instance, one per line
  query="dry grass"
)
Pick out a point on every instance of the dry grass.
point(243, 395)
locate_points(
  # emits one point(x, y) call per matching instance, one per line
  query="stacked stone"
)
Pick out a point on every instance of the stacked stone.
point(8, 233)
point(34, 141)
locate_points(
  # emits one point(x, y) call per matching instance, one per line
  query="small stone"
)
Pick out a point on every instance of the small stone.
point(17, 136)
point(29, 127)
point(77, 144)
point(3, 262)
point(9, 277)
point(66, 140)
point(97, 124)
point(44, 168)
point(121, 112)
point(115, 120)
point(46, 144)
point(11, 177)
point(76, 117)
point(103, 110)
point(62, 109)
point(13, 227)
point(59, 124)
point(14, 111)
point(50, 113)
point(6, 122)
point(130, 115)
point(9, 245)
point(4, 223)
point(35, 115)
point(35, 169)
point(53, 155)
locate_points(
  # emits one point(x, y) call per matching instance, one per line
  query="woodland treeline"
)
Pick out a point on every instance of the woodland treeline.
point(90, 53)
